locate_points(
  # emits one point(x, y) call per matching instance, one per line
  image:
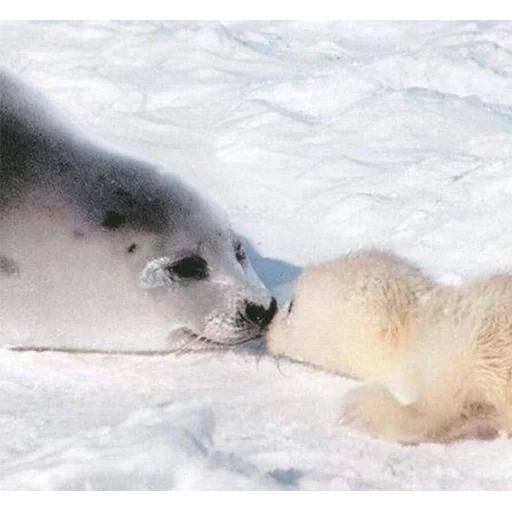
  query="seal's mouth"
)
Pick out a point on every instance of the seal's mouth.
point(185, 340)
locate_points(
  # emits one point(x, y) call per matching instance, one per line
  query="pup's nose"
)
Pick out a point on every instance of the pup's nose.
point(259, 315)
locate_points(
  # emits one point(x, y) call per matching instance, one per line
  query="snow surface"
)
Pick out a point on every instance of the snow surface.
point(316, 138)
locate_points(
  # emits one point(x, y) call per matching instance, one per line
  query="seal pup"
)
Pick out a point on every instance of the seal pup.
point(437, 360)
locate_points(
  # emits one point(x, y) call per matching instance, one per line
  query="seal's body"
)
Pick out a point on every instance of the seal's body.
point(100, 251)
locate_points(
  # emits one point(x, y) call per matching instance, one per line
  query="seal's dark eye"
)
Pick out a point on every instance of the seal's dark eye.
point(240, 253)
point(192, 267)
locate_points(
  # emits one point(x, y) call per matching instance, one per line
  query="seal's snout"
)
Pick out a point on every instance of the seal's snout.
point(259, 315)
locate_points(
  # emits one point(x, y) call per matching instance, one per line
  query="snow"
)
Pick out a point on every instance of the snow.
point(316, 138)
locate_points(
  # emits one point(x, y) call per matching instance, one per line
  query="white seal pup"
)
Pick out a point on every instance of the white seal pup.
point(437, 360)
point(100, 251)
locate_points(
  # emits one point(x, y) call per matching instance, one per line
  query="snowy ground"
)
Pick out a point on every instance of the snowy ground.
point(316, 138)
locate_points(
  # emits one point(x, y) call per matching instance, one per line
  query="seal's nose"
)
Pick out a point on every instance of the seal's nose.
point(259, 315)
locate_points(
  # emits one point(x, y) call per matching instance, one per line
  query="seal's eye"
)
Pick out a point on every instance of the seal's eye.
point(240, 253)
point(192, 267)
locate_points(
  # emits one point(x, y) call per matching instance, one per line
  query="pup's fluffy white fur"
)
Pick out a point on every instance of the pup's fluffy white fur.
point(437, 360)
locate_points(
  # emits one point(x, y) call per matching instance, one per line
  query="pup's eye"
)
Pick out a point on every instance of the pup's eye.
point(240, 253)
point(192, 267)
point(290, 306)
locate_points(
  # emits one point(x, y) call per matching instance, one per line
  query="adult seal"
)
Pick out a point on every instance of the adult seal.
point(100, 251)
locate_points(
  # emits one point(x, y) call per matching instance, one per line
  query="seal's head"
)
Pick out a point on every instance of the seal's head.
point(195, 271)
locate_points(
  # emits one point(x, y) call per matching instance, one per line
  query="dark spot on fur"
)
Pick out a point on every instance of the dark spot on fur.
point(64, 168)
point(113, 219)
point(125, 196)
point(78, 234)
point(131, 248)
point(8, 267)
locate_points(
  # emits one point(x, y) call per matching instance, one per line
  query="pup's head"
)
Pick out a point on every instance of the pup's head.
point(349, 315)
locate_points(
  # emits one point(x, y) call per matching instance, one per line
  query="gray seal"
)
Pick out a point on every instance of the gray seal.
point(101, 251)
